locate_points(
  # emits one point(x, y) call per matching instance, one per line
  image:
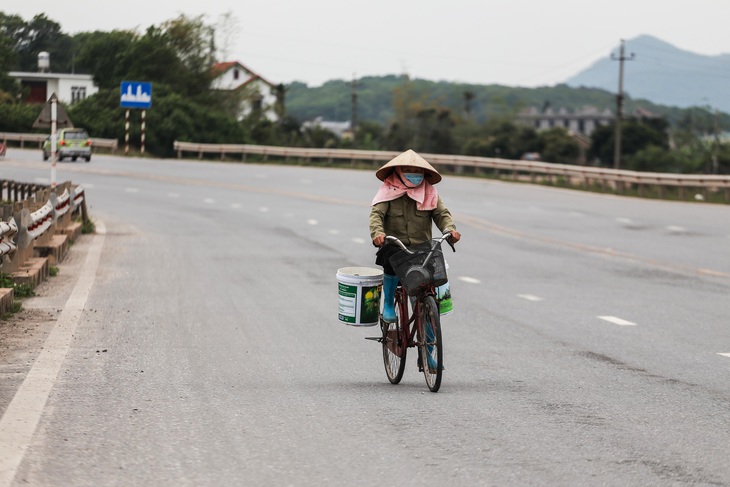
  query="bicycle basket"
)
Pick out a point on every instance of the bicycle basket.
point(410, 271)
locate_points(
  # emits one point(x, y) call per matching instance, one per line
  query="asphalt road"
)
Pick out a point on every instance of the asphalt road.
point(590, 343)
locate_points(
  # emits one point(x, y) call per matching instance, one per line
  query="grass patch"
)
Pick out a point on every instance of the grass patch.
point(87, 226)
point(53, 271)
point(21, 290)
point(16, 307)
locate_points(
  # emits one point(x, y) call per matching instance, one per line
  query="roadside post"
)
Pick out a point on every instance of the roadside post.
point(53, 115)
point(135, 94)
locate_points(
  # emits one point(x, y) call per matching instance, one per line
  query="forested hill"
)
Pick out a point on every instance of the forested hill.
point(379, 96)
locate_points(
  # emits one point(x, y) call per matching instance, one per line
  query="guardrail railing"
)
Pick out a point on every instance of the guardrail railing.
point(38, 139)
point(525, 170)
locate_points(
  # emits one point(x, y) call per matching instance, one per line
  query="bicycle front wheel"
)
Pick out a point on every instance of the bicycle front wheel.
point(394, 345)
point(430, 345)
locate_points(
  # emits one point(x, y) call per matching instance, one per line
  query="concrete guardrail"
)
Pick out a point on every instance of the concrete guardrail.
point(36, 228)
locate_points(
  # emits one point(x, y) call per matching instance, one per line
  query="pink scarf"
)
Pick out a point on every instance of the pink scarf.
point(396, 185)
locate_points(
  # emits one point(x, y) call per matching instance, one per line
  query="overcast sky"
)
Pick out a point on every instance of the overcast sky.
point(512, 42)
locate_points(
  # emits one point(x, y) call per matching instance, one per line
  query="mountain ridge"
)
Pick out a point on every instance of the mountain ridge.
point(664, 74)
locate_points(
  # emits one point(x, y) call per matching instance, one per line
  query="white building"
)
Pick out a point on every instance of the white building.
point(257, 92)
point(583, 121)
point(70, 88)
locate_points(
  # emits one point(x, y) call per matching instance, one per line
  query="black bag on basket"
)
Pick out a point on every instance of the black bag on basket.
point(410, 271)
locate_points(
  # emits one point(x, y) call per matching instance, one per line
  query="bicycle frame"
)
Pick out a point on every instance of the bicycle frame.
point(410, 329)
point(412, 326)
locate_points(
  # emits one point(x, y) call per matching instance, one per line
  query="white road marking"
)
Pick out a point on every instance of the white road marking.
point(617, 321)
point(23, 414)
point(334, 232)
point(725, 354)
point(236, 205)
point(263, 209)
point(210, 201)
point(313, 222)
point(132, 190)
point(676, 229)
point(625, 221)
point(470, 280)
point(530, 297)
point(173, 195)
point(358, 240)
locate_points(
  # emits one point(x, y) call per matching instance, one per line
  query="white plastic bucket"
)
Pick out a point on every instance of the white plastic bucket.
point(443, 297)
point(359, 290)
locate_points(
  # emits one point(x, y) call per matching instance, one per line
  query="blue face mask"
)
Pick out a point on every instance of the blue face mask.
point(413, 177)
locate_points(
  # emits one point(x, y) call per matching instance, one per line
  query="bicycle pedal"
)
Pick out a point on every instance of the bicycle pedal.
point(377, 339)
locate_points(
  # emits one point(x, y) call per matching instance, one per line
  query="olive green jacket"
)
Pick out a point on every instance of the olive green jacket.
point(400, 218)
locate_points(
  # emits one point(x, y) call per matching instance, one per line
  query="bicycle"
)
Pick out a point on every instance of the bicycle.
point(420, 270)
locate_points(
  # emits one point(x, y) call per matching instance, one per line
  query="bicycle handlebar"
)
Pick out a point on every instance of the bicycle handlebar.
point(446, 236)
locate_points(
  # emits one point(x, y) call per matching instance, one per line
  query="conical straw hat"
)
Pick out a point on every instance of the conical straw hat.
point(409, 158)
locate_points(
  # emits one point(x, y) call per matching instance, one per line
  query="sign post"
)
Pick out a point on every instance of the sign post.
point(135, 94)
point(52, 116)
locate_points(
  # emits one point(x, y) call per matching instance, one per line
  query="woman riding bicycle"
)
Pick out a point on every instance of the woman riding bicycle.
point(405, 206)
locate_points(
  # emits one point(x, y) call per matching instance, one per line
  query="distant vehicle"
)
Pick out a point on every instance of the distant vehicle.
point(73, 143)
point(531, 156)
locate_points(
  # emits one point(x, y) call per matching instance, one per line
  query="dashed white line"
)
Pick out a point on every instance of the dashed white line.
point(617, 321)
point(334, 232)
point(173, 195)
point(358, 240)
point(531, 297)
point(676, 229)
point(236, 205)
point(263, 209)
point(725, 354)
point(470, 280)
point(625, 221)
point(313, 222)
point(210, 201)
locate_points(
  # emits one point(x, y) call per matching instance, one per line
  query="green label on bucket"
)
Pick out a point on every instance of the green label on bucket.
point(348, 303)
point(370, 307)
point(443, 298)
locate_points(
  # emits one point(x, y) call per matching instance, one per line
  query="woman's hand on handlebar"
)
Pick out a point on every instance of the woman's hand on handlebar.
point(379, 240)
point(455, 236)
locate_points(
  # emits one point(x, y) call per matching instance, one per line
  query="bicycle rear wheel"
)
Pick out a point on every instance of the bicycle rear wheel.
point(394, 343)
point(430, 345)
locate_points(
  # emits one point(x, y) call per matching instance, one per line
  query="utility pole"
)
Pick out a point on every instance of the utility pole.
point(716, 142)
point(619, 105)
point(353, 118)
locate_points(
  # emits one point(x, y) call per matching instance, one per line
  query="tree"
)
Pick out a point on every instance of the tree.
point(39, 34)
point(104, 55)
point(556, 145)
point(635, 136)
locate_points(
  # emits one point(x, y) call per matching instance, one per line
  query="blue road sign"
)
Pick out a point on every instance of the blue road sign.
point(136, 94)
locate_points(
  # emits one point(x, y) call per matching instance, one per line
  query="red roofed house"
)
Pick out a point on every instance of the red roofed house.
point(256, 93)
